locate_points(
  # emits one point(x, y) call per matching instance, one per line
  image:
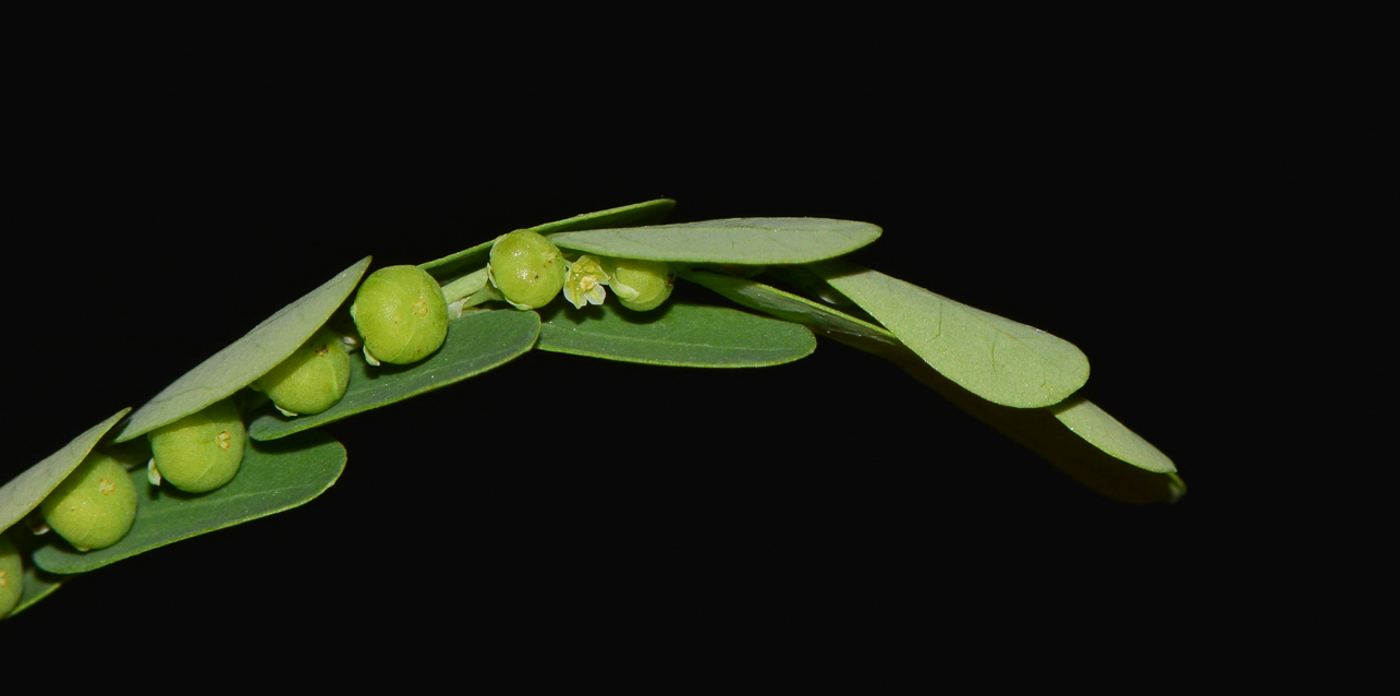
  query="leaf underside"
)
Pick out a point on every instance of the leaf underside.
point(274, 477)
point(677, 334)
point(1075, 436)
point(476, 342)
point(37, 586)
point(450, 267)
point(998, 359)
point(23, 493)
point(248, 358)
point(746, 241)
point(789, 307)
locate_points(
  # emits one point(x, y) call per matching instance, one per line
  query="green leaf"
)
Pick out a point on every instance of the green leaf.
point(677, 335)
point(998, 359)
point(789, 307)
point(476, 342)
point(249, 358)
point(1116, 461)
point(274, 477)
point(752, 241)
point(451, 267)
point(1104, 432)
point(24, 492)
point(37, 585)
point(645, 213)
point(1039, 430)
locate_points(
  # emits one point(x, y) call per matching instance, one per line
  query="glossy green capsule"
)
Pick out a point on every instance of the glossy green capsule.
point(201, 451)
point(313, 379)
point(527, 268)
point(401, 315)
point(95, 506)
point(639, 285)
point(11, 575)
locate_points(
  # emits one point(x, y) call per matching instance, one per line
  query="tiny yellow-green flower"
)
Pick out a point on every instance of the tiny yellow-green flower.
point(639, 285)
point(527, 268)
point(201, 451)
point(586, 282)
point(401, 315)
point(11, 575)
point(95, 506)
point(313, 379)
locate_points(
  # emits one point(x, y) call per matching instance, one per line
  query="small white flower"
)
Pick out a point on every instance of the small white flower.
point(585, 282)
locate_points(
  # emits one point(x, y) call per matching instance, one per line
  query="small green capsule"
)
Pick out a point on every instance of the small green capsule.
point(201, 451)
point(401, 315)
point(313, 379)
point(11, 575)
point(640, 285)
point(94, 507)
point(527, 268)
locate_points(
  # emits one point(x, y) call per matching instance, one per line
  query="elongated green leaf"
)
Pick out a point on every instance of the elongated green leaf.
point(476, 342)
point(249, 358)
point(1039, 431)
point(644, 213)
point(998, 359)
point(789, 307)
point(677, 334)
point(753, 241)
point(24, 492)
point(453, 266)
point(37, 585)
point(1106, 433)
point(275, 476)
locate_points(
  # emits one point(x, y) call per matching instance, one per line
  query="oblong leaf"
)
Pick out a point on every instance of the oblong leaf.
point(249, 358)
point(1003, 361)
point(476, 342)
point(37, 586)
point(1040, 431)
point(644, 213)
point(750, 241)
point(1106, 433)
point(23, 493)
point(452, 266)
point(789, 307)
point(678, 334)
point(274, 477)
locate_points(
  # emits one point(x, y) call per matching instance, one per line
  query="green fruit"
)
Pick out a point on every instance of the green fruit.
point(401, 314)
point(201, 451)
point(313, 379)
point(11, 575)
point(639, 285)
point(94, 507)
point(527, 268)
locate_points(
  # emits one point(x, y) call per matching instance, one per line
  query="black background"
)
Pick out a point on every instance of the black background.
point(1115, 200)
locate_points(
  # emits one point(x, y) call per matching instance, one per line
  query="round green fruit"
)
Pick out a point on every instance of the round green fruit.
point(201, 451)
point(640, 285)
point(313, 379)
point(527, 268)
point(94, 507)
point(401, 315)
point(11, 575)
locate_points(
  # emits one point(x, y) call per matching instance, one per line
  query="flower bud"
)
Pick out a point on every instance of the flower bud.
point(639, 285)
